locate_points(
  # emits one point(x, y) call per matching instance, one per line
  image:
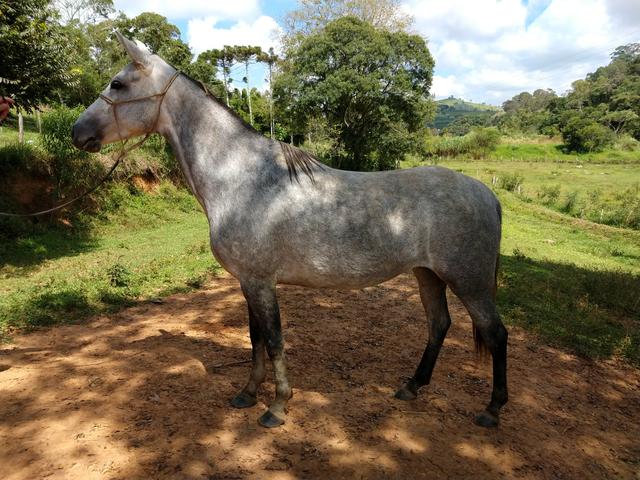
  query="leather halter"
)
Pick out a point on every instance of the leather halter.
point(115, 103)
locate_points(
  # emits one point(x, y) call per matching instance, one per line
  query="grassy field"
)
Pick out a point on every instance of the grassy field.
point(149, 246)
point(551, 151)
point(575, 283)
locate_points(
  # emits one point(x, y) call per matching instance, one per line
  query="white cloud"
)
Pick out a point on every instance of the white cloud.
point(449, 85)
point(204, 34)
point(484, 49)
point(185, 9)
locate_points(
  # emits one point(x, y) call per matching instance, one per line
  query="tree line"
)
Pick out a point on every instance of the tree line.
point(598, 110)
point(352, 82)
point(350, 78)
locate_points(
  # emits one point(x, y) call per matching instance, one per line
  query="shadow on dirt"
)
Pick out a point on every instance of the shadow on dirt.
point(144, 394)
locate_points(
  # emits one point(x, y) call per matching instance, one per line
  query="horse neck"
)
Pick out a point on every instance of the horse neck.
point(216, 150)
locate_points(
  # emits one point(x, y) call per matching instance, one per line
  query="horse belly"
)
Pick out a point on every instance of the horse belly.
point(335, 267)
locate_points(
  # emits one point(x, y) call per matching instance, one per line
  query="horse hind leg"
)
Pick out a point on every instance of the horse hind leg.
point(491, 334)
point(434, 299)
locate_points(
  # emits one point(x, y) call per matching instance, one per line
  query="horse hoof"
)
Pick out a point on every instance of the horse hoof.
point(269, 420)
point(405, 394)
point(243, 400)
point(486, 420)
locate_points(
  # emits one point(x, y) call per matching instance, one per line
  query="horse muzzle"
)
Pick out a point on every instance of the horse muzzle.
point(84, 139)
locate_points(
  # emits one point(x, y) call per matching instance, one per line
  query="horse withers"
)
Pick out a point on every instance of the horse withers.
point(276, 215)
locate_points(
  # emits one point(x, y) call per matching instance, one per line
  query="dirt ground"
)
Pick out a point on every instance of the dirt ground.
point(142, 395)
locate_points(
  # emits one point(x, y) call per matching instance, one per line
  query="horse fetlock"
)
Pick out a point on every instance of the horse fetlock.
point(284, 392)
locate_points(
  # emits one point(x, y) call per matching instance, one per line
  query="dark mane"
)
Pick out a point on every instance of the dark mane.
point(295, 158)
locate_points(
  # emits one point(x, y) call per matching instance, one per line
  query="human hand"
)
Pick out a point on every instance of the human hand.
point(5, 105)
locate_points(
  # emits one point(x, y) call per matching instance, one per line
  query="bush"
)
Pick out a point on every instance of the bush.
point(510, 182)
point(581, 134)
point(480, 142)
point(549, 194)
point(56, 133)
point(71, 168)
point(446, 146)
point(570, 202)
point(627, 143)
point(21, 156)
point(483, 141)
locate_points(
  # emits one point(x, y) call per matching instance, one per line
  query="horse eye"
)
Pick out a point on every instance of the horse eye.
point(116, 85)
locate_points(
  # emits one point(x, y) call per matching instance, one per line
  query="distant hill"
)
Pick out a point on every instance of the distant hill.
point(452, 108)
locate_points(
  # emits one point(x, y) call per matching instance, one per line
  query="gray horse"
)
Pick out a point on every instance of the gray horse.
point(278, 216)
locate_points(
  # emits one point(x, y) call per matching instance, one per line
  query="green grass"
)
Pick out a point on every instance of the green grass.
point(550, 150)
point(574, 283)
point(147, 247)
point(602, 193)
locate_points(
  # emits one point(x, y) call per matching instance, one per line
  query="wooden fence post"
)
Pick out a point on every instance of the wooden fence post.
point(20, 128)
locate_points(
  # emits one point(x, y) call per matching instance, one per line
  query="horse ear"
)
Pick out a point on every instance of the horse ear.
point(137, 50)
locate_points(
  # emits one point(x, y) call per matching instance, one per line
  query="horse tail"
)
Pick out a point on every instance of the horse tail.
point(481, 347)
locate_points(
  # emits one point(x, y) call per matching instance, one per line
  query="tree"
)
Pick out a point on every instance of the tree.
point(35, 60)
point(224, 59)
point(583, 134)
point(204, 69)
point(526, 112)
point(246, 55)
point(159, 35)
point(83, 11)
point(270, 58)
point(311, 16)
point(371, 87)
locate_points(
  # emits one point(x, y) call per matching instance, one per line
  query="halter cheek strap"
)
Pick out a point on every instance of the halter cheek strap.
point(115, 103)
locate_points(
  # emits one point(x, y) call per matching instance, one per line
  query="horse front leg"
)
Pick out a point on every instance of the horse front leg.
point(247, 396)
point(263, 304)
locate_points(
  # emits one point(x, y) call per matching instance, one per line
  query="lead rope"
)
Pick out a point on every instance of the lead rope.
point(121, 153)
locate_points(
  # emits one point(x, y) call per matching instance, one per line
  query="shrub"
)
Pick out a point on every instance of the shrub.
point(627, 143)
point(510, 181)
point(549, 194)
point(56, 133)
point(478, 143)
point(581, 134)
point(119, 275)
point(483, 141)
point(570, 202)
point(21, 156)
point(71, 168)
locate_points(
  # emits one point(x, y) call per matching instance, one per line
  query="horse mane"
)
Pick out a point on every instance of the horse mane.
point(295, 158)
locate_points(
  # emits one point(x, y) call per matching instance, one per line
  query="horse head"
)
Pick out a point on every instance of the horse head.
point(130, 105)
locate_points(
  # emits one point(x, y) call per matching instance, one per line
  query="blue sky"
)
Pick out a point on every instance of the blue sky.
point(485, 50)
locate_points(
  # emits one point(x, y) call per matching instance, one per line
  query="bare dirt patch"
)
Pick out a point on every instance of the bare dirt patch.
point(141, 394)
